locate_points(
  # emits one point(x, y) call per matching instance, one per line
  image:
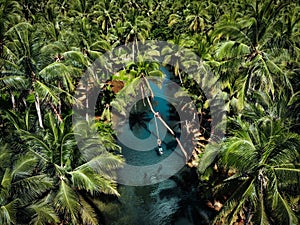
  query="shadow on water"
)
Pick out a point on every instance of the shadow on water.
point(172, 201)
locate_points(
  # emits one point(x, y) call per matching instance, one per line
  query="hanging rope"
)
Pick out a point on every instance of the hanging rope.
point(160, 149)
point(157, 116)
point(156, 126)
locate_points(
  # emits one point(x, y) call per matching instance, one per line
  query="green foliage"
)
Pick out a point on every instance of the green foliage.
point(265, 155)
point(251, 47)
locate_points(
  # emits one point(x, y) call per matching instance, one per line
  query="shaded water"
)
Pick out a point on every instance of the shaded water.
point(171, 201)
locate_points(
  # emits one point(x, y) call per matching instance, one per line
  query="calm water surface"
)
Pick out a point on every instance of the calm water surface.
point(172, 201)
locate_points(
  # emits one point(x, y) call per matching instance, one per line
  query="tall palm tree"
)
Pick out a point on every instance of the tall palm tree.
point(23, 52)
point(10, 83)
point(10, 14)
point(50, 74)
point(136, 28)
point(247, 56)
point(263, 152)
point(77, 176)
point(197, 16)
point(108, 12)
point(21, 186)
point(182, 43)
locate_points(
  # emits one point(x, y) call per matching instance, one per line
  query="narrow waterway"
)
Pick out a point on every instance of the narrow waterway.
point(169, 201)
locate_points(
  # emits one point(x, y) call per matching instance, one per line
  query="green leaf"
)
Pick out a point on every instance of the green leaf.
point(88, 213)
point(85, 179)
point(66, 201)
point(44, 214)
point(8, 212)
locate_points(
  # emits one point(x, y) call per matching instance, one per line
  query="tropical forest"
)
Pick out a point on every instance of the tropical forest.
point(154, 112)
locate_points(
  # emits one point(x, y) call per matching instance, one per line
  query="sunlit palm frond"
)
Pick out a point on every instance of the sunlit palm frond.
point(66, 202)
point(43, 214)
point(8, 212)
point(88, 214)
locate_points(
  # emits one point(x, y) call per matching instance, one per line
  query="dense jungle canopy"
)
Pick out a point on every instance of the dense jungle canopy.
point(251, 175)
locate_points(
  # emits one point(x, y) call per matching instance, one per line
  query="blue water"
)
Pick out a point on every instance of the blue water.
point(154, 204)
point(150, 157)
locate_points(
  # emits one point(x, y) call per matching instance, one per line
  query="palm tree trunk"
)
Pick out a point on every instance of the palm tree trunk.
point(56, 112)
point(59, 104)
point(86, 102)
point(180, 78)
point(38, 109)
point(13, 100)
point(133, 51)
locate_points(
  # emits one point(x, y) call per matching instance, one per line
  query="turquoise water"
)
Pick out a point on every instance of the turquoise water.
point(171, 201)
point(148, 129)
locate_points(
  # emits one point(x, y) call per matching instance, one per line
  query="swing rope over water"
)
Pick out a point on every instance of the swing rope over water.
point(160, 150)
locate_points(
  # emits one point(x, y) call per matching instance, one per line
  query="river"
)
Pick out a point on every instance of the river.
point(161, 202)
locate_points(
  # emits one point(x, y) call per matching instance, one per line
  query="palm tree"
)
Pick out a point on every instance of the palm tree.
point(78, 175)
point(197, 16)
point(20, 187)
point(182, 44)
point(248, 58)
point(9, 83)
point(10, 15)
point(262, 152)
point(136, 28)
point(23, 52)
point(108, 12)
point(49, 72)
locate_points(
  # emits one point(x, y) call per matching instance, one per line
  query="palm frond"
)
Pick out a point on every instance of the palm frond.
point(59, 72)
point(47, 91)
point(13, 82)
point(76, 59)
point(105, 163)
point(85, 179)
point(284, 213)
point(43, 214)
point(232, 49)
point(24, 166)
point(8, 212)
point(209, 156)
point(88, 214)
point(261, 217)
point(108, 186)
point(4, 157)
point(66, 202)
point(6, 179)
point(31, 188)
point(244, 192)
point(240, 153)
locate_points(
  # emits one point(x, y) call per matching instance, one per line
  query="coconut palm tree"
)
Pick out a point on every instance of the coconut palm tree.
point(21, 186)
point(197, 16)
point(10, 14)
point(77, 176)
point(108, 12)
point(49, 71)
point(262, 153)
point(23, 52)
point(10, 83)
point(182, 44)
point(136, 28)
point(248, 58)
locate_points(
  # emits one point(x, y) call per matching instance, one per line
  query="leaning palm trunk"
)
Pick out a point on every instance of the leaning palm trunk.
point(56, 111)
point(86, 102)
point(13, 100)
point(38, 109)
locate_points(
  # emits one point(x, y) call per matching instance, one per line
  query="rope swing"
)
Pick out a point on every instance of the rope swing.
point(160, 149)
point(157, 116)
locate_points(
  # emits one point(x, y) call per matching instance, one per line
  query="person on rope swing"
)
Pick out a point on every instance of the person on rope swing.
point(160, 149)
